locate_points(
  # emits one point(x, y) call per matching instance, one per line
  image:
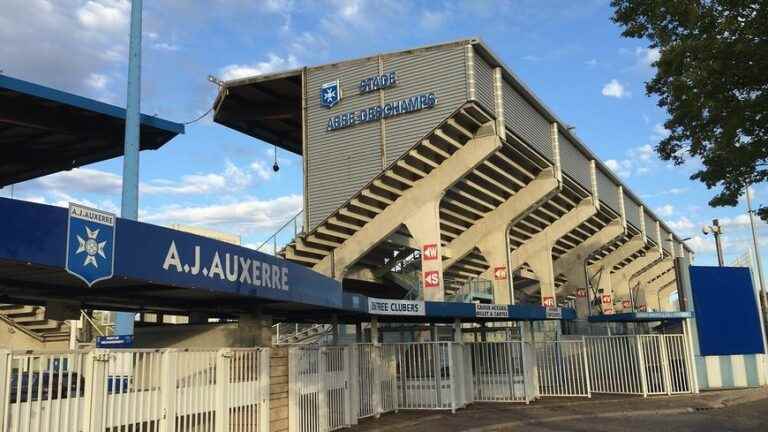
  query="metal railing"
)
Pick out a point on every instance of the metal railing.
point(284, 235)
point(137, 389)
point(563, 369)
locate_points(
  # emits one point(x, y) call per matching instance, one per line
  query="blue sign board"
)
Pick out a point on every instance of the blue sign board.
point(116, 341)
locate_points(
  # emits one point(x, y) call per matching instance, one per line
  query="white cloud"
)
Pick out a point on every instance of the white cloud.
point(244, 216)
point(531, 58)
point(644, 152)
point(615, 89)
point(659, 132)
point(666, 210)
point(701, 244)
point(105, 15)
point(97, 81)
point(165, 46)
point(433, 20)
point(647, 56)
point(261, 170)
point(682, 224)
point(272, 64)
point(622, 168)
point(591, 63)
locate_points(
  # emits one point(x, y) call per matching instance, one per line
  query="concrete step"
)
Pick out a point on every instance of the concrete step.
point(45, 326)
point(12, 311)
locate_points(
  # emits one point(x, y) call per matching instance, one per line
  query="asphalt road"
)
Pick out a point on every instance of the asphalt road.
point(752, 416)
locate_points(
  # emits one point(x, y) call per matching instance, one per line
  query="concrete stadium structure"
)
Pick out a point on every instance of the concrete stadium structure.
point(439, 160)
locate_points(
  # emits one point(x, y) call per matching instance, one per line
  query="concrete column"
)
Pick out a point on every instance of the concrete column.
point(457, 335)
point(605, 291)
point(495, 249)
point(254, 330)
point(537, 251)
point(375, 330)
point(664, 294)
point(424, 226)
point(571, 264)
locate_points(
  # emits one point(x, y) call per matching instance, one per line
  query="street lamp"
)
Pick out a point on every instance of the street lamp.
point(717, 231)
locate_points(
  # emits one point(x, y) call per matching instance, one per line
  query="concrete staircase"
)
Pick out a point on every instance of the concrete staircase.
point(288, 334)
point(32, 321)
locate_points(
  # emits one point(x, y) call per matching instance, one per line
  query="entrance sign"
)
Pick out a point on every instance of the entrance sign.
point(500, 273)
point(90, 244)
point(491, 310)
point(116, 341)
point(379, 306)
point(429, 251)
point(431, 279)
point(554, 313)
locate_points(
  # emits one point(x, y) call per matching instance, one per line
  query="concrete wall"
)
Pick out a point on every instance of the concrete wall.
point(188, 336)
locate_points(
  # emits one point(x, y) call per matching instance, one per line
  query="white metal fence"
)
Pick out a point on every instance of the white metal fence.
point(562, 367)
point(135, 390)
point(641, 364)
point(500, 371)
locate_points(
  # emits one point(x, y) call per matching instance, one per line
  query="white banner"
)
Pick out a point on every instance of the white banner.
point(554, 313)
point(379, 306)
point(491, 310)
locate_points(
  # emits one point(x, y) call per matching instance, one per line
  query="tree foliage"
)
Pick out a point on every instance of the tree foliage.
point(712, 79)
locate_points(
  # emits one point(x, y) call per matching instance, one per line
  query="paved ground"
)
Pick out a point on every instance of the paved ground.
point(735, 410)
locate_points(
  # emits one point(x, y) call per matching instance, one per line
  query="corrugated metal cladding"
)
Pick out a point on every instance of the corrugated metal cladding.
point(526, 122)
point(633, 211)
point(441, 71)
point(340, 162)
point(484, 84)
point(650, 227)
point(608, 191)
point(574, 162)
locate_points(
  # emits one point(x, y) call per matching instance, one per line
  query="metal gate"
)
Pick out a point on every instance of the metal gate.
point(643, 364)
point(430, 375)
point(563, 369)
point(499, 371)
point(319, 397)
point(377, 379)
point(214, 390)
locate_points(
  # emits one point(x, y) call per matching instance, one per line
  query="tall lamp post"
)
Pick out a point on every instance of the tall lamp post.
point(717, 231)
point(757, 250)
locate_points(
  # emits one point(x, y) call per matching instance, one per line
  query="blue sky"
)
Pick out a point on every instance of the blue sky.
point(569, 53)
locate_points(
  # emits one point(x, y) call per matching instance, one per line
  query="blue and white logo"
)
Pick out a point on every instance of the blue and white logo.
point(90, 244)
point(330, 94)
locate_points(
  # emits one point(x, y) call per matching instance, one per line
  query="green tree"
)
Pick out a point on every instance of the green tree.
point(712, 79)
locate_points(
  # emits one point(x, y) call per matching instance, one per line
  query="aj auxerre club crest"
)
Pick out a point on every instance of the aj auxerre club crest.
point(330, 94)
point(90, 244)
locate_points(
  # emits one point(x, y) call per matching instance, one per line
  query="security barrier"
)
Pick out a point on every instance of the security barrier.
point(500, 371)
point(563, 369)
point(641, 364)
point(214, 390)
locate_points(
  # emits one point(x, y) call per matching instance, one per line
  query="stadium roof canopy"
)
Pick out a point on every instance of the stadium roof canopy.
point(43, 130)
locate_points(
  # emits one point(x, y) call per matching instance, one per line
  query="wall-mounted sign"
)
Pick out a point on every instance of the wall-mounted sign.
point(379, 306)
point(626, 304)
point(554, 313)
point(431, 279)
point(116, 341)
point(500, 273)
point(378, 82)
point(429, 251)
point(330, 96)
point(548, 301)
point(607, 299)
point(491, 310)
point(581, 292)
point(90, 253)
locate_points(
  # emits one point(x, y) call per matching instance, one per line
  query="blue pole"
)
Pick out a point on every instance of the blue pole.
point(130, 201)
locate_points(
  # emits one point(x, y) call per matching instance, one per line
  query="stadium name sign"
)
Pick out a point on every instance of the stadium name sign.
point(331, 95)
point(229, 267)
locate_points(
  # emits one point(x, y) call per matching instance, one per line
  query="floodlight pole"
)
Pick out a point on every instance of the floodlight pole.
point(130, 200)
point(757, 250)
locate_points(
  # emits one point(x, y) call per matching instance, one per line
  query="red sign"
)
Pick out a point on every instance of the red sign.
point(431, 279)
point(429, 252)
point(607, 299)
point(643, 308)
point(548, 301)
point(608, 311)
point(626, 304)
point(581, 292)
point(500, 273)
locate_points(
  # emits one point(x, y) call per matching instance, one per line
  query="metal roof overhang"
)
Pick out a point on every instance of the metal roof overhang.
point(264, 107)
point(641, 317)
point(43, 130)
